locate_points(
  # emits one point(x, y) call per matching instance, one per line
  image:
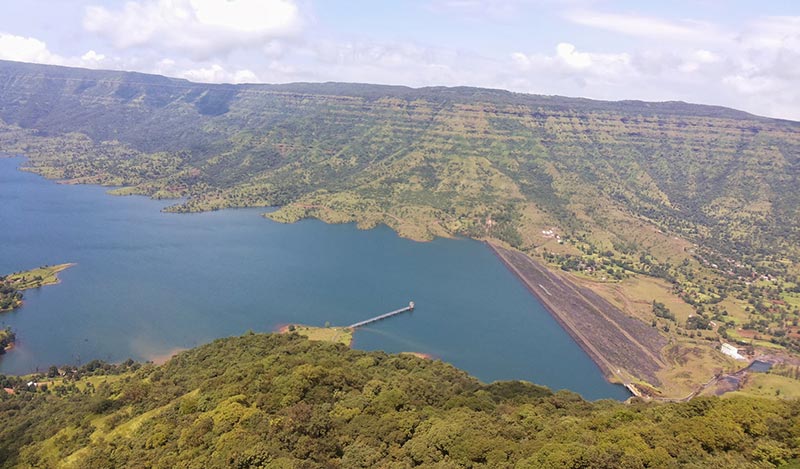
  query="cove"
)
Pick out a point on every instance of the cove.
point(148, 283)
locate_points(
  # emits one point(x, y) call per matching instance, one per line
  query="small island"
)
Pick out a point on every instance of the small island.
point(12, 285)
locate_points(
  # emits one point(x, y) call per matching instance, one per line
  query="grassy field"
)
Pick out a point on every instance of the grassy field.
point(635, 296)
point(342, 335)
point(692, 363)
point(769, 385)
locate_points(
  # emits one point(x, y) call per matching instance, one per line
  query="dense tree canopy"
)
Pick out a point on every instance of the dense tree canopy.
point(283, 401)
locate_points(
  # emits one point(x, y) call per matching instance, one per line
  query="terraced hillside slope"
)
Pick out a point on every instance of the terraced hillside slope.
point(684, 216)
point(281, 401)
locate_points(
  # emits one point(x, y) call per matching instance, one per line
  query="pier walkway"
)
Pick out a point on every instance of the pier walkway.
point(410, 307)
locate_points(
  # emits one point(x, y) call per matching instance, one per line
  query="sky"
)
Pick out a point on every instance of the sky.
point(743, 54)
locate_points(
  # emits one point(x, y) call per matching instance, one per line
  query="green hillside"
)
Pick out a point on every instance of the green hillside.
point(689, 206)
point(378, 154)
point(459, 154)
point(283, 401)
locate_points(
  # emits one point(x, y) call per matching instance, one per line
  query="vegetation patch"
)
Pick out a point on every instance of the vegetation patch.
point(12, 285)
point(280, 400)
point(338, 335)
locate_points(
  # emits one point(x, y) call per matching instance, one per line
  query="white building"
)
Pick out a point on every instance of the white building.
point(731, 351)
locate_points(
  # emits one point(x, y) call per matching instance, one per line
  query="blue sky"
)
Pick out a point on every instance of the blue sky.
point(741, 54)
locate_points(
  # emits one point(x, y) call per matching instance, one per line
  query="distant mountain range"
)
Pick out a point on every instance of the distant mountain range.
point(425, 161)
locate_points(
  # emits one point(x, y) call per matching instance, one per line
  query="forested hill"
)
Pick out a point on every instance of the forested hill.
point(281, 401)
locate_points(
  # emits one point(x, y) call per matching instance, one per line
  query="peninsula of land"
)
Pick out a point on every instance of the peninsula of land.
point(12, 285)
point(11, 288)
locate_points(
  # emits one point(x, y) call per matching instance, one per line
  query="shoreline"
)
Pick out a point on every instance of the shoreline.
point(52, 271)
point(606, 367)
point(626, 350)
point(598, 360)
point(163, 357)
point(12, 279)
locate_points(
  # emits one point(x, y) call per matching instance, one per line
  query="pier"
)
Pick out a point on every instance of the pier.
point(410, 307)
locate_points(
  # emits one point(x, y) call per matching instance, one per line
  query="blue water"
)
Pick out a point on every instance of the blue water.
point(147, 283)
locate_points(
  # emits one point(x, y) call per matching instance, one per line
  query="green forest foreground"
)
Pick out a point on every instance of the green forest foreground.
point(284, 401)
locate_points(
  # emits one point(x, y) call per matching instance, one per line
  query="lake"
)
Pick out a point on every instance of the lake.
point(148, 283)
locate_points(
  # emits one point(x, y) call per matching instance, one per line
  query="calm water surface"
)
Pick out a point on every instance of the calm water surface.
point(148, 283)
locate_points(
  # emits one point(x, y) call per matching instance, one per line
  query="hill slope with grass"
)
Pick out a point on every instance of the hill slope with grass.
point(444, 159)
point(283, 401)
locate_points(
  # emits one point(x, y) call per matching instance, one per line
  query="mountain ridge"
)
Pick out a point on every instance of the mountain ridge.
point(387, 90)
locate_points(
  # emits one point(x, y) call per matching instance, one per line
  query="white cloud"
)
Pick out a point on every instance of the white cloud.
point(493, 9)
point(754, 66)
point(92, 56)
point(697, 60)
point(771, 46)
point(200, 28)
point(764, 67)
point(404, 63)
point(647, 26)
point(497, 9)
point(253, 16)
point(217, 74)
point(704, 56)
point(749, 84)
point(30, 49)
point(584, 68)
point(26, 49)
point(772, 32)
point(603, 63)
